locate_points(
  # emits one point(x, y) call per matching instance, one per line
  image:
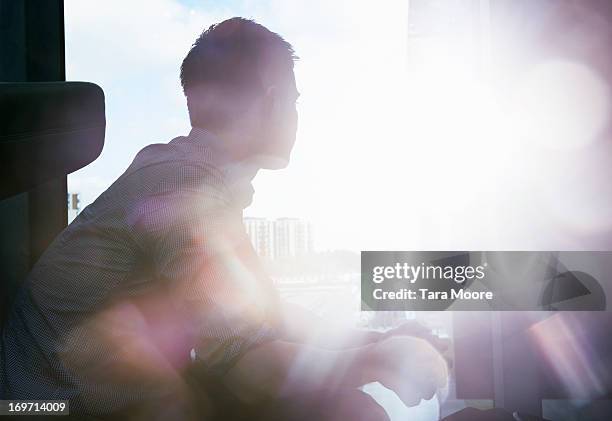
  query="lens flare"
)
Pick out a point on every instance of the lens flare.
point(561, 105)
point(565, 346)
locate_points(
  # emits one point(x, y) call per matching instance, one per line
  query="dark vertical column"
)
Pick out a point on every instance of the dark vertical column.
point(44, 34)
point(473, 349)
point(519, 382)
point(31, 50)
point(14, 221)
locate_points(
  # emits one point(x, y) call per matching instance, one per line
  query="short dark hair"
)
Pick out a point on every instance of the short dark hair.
point(232, 54)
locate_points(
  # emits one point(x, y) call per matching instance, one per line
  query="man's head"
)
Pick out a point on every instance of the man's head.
point(238, 79)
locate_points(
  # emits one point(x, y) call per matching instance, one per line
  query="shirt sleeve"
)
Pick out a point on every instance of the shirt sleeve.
point(201, 250)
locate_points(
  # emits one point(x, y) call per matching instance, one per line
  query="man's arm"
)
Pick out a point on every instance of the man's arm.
point(409, 366)
point(201, 254)
point(209, 268)
point(278, 369)
point(303, 326)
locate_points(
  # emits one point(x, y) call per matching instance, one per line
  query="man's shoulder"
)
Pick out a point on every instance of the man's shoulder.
point(155, 154)
point(169, 185)
point(175, 166)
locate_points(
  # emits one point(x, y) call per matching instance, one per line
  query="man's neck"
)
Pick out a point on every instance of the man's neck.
point(232, 149)
point(230, 142)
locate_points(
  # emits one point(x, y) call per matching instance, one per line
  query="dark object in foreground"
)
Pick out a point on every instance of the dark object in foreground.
point(47, 130)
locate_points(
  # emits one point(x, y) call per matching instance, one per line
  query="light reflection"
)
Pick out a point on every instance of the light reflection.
point(561, 105)
point(566, 347)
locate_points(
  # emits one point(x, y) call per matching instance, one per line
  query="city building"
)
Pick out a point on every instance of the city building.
point(261, 233)
point(278, 238)
point(293, 237)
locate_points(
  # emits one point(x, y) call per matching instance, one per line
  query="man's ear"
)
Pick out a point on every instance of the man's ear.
point(270, 102)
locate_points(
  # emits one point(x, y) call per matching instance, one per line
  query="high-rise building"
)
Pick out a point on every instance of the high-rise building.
point(261, 233)
point(293, 237)
point(283, 237)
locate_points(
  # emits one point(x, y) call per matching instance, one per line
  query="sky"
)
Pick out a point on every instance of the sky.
point(399, 145)
point(133, 50)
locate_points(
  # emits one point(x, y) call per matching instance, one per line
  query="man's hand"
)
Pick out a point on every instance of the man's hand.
point(414, 328)
point(409, 366)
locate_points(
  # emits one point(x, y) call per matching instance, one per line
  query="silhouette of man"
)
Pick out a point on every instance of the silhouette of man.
point(152, 304)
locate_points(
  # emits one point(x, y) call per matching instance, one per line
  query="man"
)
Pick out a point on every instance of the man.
point(152, 303)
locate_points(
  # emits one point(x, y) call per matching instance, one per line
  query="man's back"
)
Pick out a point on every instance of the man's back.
point(72, 330)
